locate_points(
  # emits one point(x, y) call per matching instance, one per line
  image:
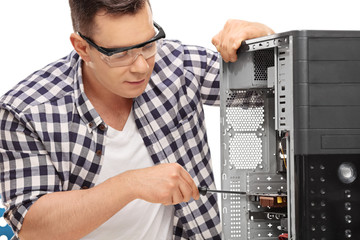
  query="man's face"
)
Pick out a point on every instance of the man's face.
point(114, 32)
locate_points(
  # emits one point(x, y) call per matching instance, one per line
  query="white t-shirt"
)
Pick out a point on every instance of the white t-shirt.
point(125, 150)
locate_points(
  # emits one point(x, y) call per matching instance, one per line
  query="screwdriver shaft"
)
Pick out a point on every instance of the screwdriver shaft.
point(204, 190)
point(225, 191)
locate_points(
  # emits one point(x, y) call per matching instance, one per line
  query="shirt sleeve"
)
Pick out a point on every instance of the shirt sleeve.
point(205, 65)
point(26, 171)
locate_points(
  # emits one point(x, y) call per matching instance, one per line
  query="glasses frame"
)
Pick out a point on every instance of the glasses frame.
point(111, 51)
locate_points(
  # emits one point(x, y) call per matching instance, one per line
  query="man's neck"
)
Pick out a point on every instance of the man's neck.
point(113, 109)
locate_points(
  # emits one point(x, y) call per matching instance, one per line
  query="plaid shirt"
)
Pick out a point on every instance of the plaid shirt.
point(52, 139)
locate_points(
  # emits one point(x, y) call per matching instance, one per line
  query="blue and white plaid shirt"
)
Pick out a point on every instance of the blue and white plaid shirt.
point(52, 139)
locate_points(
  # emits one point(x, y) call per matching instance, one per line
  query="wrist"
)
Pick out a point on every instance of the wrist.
point(124, 186)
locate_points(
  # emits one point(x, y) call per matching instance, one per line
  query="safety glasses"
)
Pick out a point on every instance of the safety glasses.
point(125, 56)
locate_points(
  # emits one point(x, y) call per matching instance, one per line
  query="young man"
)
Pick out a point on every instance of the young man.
point(110, 142)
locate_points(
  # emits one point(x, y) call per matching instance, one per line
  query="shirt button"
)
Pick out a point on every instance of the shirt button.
point(84, 187)
point(102, 127)
point(98, 153)
point(91, 125)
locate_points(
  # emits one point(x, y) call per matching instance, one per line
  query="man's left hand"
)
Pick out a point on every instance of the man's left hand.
point(229, 39)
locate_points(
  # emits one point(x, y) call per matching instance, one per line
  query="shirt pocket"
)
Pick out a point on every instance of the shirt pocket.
point(184, 124)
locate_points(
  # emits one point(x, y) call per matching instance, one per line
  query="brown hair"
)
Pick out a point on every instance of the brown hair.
point(84, 11)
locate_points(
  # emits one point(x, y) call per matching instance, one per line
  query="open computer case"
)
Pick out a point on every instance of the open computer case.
point(290, 137)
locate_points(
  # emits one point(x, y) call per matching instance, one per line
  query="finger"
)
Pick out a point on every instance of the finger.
point(166, 201)
point(237, 41)
point(186, 191)
point(233, 43)
point(226, 49)
point(225, 54)
point(227, 40)
point(177, 197)
point(187, 177)
point(233, 56)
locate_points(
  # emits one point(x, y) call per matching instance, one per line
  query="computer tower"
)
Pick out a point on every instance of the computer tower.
point(290, 137)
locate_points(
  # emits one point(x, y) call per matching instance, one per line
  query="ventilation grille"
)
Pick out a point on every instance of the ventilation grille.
point(235, 210)
point(262, 60)
point(245, 117)
point(245, 151)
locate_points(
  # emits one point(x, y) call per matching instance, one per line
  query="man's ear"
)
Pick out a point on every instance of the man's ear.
point(80, 46)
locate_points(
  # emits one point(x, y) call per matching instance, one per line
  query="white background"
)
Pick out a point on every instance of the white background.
point(35, 33)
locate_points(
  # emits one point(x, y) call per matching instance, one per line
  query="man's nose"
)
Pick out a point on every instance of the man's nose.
point(140, 64)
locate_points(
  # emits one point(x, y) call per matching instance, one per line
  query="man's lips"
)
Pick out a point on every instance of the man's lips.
point(136, 82)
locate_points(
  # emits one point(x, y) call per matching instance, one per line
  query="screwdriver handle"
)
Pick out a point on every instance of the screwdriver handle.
point(202, 190)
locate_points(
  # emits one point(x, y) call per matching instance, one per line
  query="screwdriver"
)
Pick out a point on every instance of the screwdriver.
point(204, 190)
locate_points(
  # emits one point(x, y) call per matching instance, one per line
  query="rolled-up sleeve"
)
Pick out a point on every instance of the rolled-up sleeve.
point(26, 172)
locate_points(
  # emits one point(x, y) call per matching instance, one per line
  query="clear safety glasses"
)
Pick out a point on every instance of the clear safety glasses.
point(125, 56)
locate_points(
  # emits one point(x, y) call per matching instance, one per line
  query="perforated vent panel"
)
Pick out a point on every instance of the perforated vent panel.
point(262, 60)
point(245, 118)
point(235, 210)
point(245, 151)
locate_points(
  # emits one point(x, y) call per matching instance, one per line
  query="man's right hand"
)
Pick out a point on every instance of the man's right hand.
point(167, 183)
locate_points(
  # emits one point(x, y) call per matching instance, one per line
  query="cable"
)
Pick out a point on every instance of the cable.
point(283, 155)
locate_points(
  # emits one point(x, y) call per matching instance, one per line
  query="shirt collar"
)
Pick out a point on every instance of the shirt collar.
point(84, 107)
